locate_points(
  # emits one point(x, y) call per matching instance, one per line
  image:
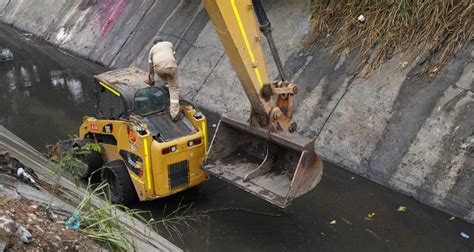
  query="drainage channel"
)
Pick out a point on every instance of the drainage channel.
point(44, 93)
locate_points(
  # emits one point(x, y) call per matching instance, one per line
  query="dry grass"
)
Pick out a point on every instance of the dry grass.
point(432, 29)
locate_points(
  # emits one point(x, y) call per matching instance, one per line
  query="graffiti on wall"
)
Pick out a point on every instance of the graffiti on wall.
point(109, 12)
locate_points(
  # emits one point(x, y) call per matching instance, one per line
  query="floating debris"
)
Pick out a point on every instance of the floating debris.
point(370, 216)
point(373, 233)
point(346, 221)
point(27, 34)
point(451, 218)
point(464, 235)
point(401, 209)
point(333, 222)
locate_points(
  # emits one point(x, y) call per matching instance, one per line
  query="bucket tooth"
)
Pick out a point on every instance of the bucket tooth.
point(277, 167)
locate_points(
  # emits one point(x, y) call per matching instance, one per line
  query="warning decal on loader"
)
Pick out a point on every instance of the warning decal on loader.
point(133, 162)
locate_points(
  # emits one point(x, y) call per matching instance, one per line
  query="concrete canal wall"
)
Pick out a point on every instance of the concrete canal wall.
point(411, 133)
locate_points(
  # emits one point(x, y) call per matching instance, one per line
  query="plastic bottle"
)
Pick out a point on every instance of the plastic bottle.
point(464, 235)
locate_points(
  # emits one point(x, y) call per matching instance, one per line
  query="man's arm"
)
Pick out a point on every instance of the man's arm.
point(151, 71)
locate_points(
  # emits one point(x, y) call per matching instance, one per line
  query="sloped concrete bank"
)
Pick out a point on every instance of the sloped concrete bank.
point(411, 133)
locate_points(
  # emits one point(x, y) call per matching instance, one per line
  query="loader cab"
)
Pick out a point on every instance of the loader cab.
point(109, 105)
point(150, 100)
point(143, 102)
point(122, 93)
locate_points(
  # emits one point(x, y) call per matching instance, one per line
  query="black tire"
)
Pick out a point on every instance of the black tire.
point(93, 159)
point(115, 174)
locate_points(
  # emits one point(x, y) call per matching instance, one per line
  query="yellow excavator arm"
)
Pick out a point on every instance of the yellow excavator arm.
point(262, 156)
point(235, 24)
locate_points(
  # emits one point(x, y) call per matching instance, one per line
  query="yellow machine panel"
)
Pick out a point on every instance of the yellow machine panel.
point(161, 157)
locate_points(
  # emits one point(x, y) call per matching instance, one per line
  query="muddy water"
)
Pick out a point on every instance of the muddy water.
point(44, 94)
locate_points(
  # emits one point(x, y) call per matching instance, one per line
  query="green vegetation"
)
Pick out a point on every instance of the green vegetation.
point(432, 29)
point(90, 147)
point(68, 162)
point(68, 166)
point(104, 224)
point(182, 216)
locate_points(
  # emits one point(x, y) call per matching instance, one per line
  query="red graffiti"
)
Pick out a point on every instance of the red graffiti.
point(109, 12)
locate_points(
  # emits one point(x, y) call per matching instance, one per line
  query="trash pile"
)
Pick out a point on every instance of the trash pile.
point(11, 166)
point(27, 226)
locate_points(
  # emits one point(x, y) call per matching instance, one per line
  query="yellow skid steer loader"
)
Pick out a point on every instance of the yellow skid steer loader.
point(143, 153)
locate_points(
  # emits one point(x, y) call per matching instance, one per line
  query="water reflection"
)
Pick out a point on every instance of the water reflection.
point(56, 78)
point(35, 73)
point(11, 80)
point(75, 88)
point(44, 94)
point(60, 79)
point(26, 77)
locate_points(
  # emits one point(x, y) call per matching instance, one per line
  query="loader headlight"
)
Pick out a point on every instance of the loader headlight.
point(194, 142)
point(168, 150)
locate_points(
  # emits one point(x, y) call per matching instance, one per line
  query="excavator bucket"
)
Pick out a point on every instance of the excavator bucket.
point(277, 167)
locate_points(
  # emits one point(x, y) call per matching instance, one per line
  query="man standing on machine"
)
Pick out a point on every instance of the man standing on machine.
point(162, 61)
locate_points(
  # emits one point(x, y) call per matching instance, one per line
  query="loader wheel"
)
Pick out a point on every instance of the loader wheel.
point(115, 174)
point(93, 160)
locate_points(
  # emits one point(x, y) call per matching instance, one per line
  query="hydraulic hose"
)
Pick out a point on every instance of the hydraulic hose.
point(263, 21)
point(266, 28)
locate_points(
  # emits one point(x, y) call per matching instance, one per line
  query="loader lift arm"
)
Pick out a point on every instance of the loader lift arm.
point(262, 156)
